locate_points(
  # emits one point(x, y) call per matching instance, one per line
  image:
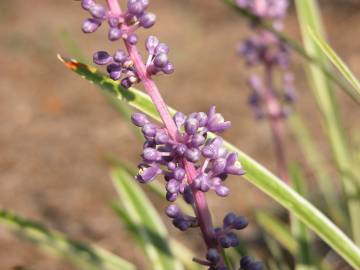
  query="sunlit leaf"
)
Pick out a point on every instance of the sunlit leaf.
point(85, 256)
point(256, 173)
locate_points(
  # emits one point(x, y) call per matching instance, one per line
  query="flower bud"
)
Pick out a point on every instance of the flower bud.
point(102, 58)
point(147, 20)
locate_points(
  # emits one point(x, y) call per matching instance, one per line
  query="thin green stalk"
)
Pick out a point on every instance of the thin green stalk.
point(316, 162)
point(309, 16)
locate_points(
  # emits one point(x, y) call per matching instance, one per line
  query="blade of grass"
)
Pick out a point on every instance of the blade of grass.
point(335, 60)
point(73, 47)
point(277, 230)
point(89, 257)
point(180, 251)
point(304, 258)
point(147, 221)
point(256, 173)
point(316, 162)
point(276, 253)
point(309, 16)
point(155, 186)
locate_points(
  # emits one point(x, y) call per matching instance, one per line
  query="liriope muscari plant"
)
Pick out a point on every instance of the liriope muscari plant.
point(179, 149)
point(265, 49)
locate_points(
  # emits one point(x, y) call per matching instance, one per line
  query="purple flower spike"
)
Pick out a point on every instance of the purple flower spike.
point(190, 162)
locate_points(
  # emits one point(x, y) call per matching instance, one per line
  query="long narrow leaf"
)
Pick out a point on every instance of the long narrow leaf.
point(309, 16)
point(304, 256)
point(156, 187)
point(335, 60)
point(180, 251)
point(277, 230)
point(256, 173)
point(315, 160)
point(147, 221)
point(89, 257)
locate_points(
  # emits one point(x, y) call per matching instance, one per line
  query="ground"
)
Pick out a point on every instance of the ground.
point(56, 129)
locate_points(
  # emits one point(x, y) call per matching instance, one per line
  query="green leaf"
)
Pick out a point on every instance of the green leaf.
point(336, 60)
point(180, 251)
point(89, 257)
point(146, 221)
point(304, 258)
point(256, 173)
point(155, 186)
point(277, 230)
point(310, 17)
point(315, 160)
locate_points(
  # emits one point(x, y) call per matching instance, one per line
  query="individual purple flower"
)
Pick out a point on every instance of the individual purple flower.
point(248, 263)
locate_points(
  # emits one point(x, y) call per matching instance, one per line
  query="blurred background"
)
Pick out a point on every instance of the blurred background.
point(56, 129)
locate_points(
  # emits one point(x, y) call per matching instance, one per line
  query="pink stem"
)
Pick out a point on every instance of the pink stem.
point(201, 206)
point(277, 126)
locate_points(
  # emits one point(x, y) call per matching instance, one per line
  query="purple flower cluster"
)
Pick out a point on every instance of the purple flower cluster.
point(121, 25)
point(121, 67)
point(266, 49)
point(268, 9)
point(212, 162)
point(192, 161)
point(164, 155)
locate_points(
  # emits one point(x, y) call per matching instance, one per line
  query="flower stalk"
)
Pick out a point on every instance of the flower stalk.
point(201, 205)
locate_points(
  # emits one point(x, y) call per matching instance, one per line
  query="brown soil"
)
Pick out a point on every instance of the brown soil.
point(55, 128)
